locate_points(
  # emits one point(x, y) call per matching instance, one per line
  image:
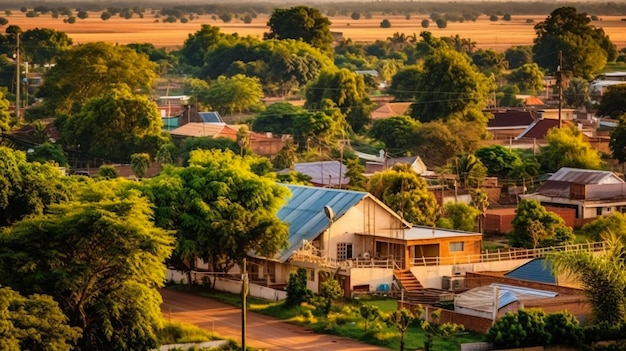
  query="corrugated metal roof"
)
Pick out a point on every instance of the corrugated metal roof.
point(585, 176)
point(510, 118)
point(304, 212)
point(539, 128)
point(324, 172)
point(536, 270)
point(424, 232)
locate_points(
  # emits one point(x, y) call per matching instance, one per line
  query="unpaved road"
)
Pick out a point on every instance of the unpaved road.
point(262, 331)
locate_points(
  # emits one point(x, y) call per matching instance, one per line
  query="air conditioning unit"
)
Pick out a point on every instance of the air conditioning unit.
point(366, 255)
point(454, 283)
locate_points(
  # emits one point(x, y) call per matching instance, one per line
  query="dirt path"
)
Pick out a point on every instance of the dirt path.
point(262, 331)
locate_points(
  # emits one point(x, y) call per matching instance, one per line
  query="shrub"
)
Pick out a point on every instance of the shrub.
point(355, 15)
point(297, 292)
point(425, 23)
point(493, 18)
point(226, 17)
point(108, 172)
point(385, 24)
point(441, 23)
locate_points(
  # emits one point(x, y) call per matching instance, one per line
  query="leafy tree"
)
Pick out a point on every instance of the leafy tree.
point(528, 78)
point(405, 193)
point(346, 90)
point(277, 118)
point(226, 17)
point(602, 276)
point(577, 93)
point(33, 323)
point(140, 162)
point(108, 172)
point(480, 201)
point(458, 216)
point(3, 21)
point(385, 23)
point(508, 96)
point(470, 170)
point(329, 290)
point(489, 61)
point(517, 56)
point(602, 226)
point(207, 143)
point(526, 328)
point(564, 329)
point(105, 16)
point(102, 67)
point(613, 102)
point(48, 152)
point(452, 138)
point(618, 140)
point(287, 156)
point(435, 329)
point(115, 125)
point(82, 14)
point(301, 22)
point(219, 209)
point(585, 48)
point(355, 172)
point(534, 226)
point(441, 23)
point(449, 87)
point(401, 319)
point(395, 132)
point(370, 313)
point(404, 84)
point(297, 291)
point(5, 116)
point(499, 160)
point(198, 44)
point(355, 15)
point(165, 155)
point(425, 23)
point(567, 147)
point(43, 46)
point(236, 94)
point(101, 258)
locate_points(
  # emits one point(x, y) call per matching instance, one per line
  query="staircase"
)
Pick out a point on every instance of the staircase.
point(407, 280)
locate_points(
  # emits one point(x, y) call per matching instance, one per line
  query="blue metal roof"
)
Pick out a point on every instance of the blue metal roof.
point(536, 270)
point(211, 117)
point(304, 212)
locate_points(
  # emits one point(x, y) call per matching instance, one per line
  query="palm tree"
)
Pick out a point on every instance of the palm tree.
point(140, 163)
point(603, 278)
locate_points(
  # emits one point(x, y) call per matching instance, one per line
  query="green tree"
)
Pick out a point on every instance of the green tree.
point(198, 44)
point(564, 329)
point(602, 276)
point(566, 147)
point(108, 172)
point(33, 323)
point(450, 87)
point(82, 14)
point(618, 140)
point(452, 138)
point(370, 313)
point(499, 160)
point(480, 201)
point(236, 94)
point(105, 16)
point(585, 48)
point(296, 289)
point(286, 157)
point(5, 116)
point(3, 21)
point(425, 23)
point(396, 133)
point(470, 170)
point(534, 226)
point(600, 227)
point(433, 329)
point(517, 56)
point(346, 90)
point(330, 290)
point(91, 70)
point(207, 143)
point(458, 216)
point(613, 102)
point(101, 258)
point(277, 118)
point(385, 23)
point(48, 152)
point(355, 172)
point(219, 209)
point(405, 193)
point(528, 78)
point(165, 154)
point(402, 319)
point(45, 45)
point(115, 125)
point(303, 23)
point(404, 83)
point(577, 94)
point(489, 61)
point(140, 162)
point(526, 328)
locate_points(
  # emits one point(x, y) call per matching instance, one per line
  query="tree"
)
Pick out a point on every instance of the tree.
point(82, 14)
point(198, 44)
point(33, 323)
point(566, 147)
point(618, 140)
point(396, 133)
point(207, 143)
point(355, 172)
point(44, 46)
point(301, 22)
point(105, 16)
point(5, 116)
point(433, 329)
point(480, 201)
point(489, 61)
point(108, 172)
point(450, 87)
point(613, 102)
point(277, 118)
point(585, 48)
point(602, 276)
point(219, 209)
point(329, 290)
point(346, 90)
point(115, 125)
point(405, 193)
point(470, 170)
point(564, 329)
point(403, 85)
point(499, 160)
point(577, 93)
point(401, 319)
point(528, 78)
point(526, 328)
point(441, 134)
point(102, 67)
point(296, 289)
point(370, 313)
point(458, 216)
point(236, 94)
point(601, 227)
point(48, 152)
point(534, 226)
point(140, 162)
point(507, 96)
point(101, 258)
point(425, 23)
point(385, 23)
point(519, 55)
point(441, 23)
point(3, 21)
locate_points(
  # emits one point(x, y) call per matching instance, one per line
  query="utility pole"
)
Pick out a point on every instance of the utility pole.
point(559, 80)
point(244, 293)
point(19, 79)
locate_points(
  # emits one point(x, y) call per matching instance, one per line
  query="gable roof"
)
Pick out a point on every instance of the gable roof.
point(324, 173)
point(391, 109)
point(539, 128)
point(304, 212)
point(536, 270)
point(585, 176)
point(510, 119)
point(195, 129)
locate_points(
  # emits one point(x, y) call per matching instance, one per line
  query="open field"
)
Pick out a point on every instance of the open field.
point(498, 35)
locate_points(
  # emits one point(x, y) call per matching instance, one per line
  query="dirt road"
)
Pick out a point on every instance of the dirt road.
point(262, 332)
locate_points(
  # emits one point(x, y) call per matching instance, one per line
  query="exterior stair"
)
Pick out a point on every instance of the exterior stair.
point(407, 280)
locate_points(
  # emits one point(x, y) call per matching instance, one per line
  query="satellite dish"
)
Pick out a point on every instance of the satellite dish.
point(329, 213)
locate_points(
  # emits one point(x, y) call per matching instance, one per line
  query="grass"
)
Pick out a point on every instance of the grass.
point(345, 320)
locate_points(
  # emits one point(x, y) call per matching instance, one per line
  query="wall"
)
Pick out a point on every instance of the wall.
point(372, 276)
point(475, 280)
point(431, 276)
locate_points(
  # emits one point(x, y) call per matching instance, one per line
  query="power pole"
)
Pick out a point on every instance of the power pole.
point(244, 293)
point(19, 80)
point(559, 80)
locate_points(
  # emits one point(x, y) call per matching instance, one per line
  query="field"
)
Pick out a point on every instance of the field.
point(498, 35)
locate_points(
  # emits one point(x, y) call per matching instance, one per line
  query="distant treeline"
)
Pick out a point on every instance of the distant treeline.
point(337, 8)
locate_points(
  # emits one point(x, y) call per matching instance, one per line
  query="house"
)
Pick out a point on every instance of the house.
point(509, 123)
point(591, 193)
point(330, 174)
point(539, 128)
point(416, 163)
point(499, 220)
point(390, 109)
point(172, 105)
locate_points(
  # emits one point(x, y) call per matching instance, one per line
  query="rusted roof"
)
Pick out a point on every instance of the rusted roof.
point(585, 176)
point(540, 128)
point(510, 118)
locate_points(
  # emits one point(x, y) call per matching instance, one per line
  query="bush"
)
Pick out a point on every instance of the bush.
point(425, 23)
point(3, 21)
point(506, 17)
point(355, 15)
point(297, 292)
point(493, 18)
point(226, 17)
point(441, 23)
point(105, 16)
point(108, 172)
point(385, 24)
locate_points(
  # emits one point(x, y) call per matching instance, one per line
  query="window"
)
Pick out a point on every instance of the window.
point(311, 274)
point(344, 251)
point(456, 246)
point(599, 211)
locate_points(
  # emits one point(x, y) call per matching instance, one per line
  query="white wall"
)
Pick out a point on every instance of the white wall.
point(372, 276)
